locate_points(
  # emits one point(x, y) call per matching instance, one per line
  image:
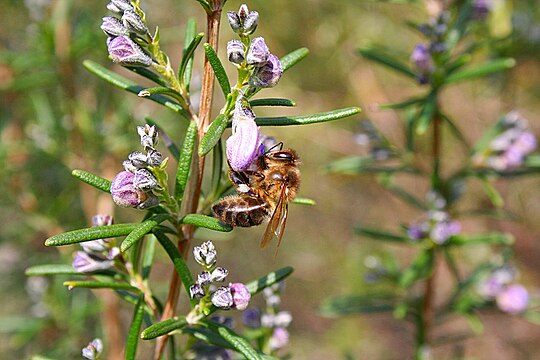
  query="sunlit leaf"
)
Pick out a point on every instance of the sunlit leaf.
point(207, 222)
point(221, 75)
point(272, 278)
point(93, 233)
point(213, 134)
point(308, 119)
point(478, 71)
point(487, 239)
point(163, 328)
point(237, 342)
point(184, 162)
point(292, 58)
point(99, 285)
point(93, 180)
point(133, 334)
point(184, 71)
point(144, 228)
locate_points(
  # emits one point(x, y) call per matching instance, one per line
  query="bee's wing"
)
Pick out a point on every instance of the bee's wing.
point(277, 222)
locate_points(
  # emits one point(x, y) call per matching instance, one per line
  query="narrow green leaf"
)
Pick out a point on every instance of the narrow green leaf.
point(93, 180)
point(93, 233)
point(133, 334)
point(212, 136)
point(163, 328)
point(207, 222)
point(388, 182)
point(272, 278)
point(187, 56)
point(379, 57)
point(492, 193)
point(421, 267)
point(128, 85)
point(237, 342)
point(158, 90)
point(272, 102)
point(304, 201)
point(147, 74)
point(99, 285)
point(206, 335)
point(377, 234)
point(455, 130)
point(402, 105)
point(144, 228)
point(308, 119)
point(148, 257)
point(488, 68)
point(292, 58)
point(462, 60)
point(184, 163)
point(486, 239)
point(217, 171)
point(51, 269)
point(178, 260)
point(191, 32)
point(221, 75)
point(427, 114)
point(358, 304)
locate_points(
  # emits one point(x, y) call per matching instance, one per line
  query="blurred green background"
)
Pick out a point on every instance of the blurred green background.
point(55, 116)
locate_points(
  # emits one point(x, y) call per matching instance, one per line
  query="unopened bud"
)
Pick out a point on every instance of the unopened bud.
point(204, 278)
point(241, 295)
point(196, 291)
point(123, 5)
point(133, 22)
point(124, 193)
point(219, 274)
point(154, 158)
point(113, 27)
point(145, 180)
point(222, 298)
point(251, 22)
point(236, 51)
point(138, 159)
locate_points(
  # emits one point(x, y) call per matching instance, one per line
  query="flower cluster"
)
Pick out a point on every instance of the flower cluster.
point(137, 184)
point(126, 33)
point(509, 149)
point(234, 295)
point(257, 66)
point(481, 9)
point(272, 318)
point(436, 225)
point(97, 254)
point(500, 285)
point(93, 350)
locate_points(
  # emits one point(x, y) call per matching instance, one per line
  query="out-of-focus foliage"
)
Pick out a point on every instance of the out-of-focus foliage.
point(49, 103)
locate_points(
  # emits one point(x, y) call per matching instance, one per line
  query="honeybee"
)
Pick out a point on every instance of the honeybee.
point(263, 194)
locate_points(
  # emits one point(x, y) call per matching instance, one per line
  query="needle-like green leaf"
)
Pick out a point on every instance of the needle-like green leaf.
point(292, 58)
point(212, 136)
point(308, 119)
point(184, 163)
point(93, 180)
point(221, 75)
point(162, 328)
point(144, 228)
point(133, 334)
point(93, 233)
point(207, 222)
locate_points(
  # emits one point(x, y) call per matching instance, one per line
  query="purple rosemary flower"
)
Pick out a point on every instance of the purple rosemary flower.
point(481, 9)
point(279, 338)
point(145, 180)
point(242, 146)
point(93, 350)
point(241, 295)
point(514, 299)
point(125, 51)
point(236, 51)
point(423, 63)
point(113, 27)
point(222, 298)
point(204, 278)
point(258, 52)
point(124, 192)
point(85, 263)
point(251, 318)
point(267, 75)
point(442, 231)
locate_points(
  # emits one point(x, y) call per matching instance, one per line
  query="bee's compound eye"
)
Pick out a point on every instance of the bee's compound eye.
point(283, 155)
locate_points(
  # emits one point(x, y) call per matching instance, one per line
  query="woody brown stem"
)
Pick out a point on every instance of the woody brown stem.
point(193, 188)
